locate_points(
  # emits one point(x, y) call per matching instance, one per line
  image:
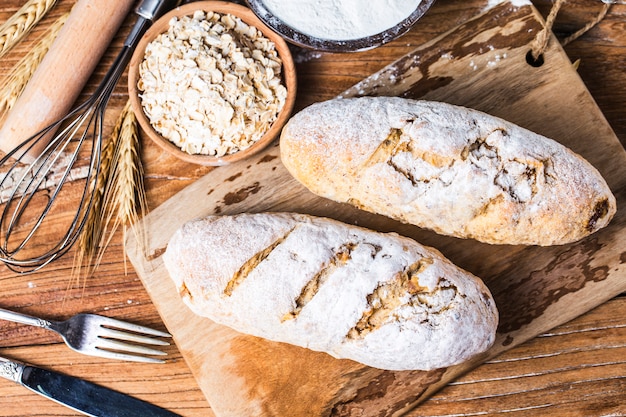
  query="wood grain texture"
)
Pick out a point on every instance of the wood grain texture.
point(558, 372)
point(576, 369)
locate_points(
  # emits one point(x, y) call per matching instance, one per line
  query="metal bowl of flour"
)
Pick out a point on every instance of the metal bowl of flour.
point(298, 37)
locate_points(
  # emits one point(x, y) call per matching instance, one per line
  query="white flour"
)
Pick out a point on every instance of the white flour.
point(341, 19)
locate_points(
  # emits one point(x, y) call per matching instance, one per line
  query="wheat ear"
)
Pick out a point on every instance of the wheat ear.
point(120, 198)
point(20, 23)
point(129, 200)
point(15, 82)
point(90, 237)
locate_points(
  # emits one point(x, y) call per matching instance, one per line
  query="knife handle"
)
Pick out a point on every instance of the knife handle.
point(11, 370)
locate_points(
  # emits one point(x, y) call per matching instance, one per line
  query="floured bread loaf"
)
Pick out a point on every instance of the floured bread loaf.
point(453, 170)
point(379, 299)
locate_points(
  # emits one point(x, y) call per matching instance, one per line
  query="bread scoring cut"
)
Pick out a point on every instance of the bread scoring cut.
point(454, 170)
point(379, 299)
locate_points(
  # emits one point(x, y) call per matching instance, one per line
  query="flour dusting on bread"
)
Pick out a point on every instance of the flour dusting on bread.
point(379, 299)
point(450, 169)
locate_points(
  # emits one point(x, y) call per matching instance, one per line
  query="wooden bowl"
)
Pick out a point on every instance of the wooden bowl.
point(331, 45)
point(247, 16)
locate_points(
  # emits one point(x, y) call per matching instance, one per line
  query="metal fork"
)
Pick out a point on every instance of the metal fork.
point(96, 335)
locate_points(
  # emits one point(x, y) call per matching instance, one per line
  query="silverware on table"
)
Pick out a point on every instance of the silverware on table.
point(77, 394)
point(96, 335)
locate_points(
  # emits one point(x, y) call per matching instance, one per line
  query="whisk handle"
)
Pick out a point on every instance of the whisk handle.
point(66, 68)
point(153, 9)
point(148, 11)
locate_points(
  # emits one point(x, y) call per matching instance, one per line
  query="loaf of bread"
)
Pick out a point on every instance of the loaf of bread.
point(379, 299)
point(456, 171)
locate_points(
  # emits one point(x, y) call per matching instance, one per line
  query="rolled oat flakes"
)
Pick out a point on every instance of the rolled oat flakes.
point(211, 84)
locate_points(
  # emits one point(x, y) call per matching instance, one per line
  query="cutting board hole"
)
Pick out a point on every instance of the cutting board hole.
point(532, 61)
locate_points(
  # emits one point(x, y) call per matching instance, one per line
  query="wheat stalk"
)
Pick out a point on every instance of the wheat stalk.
point(126, 203)
point(119, 198)
point(89, 239)
point(20, 23)
point(15, 82)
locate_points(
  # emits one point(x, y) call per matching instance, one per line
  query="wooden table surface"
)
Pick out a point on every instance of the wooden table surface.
point(577, 369)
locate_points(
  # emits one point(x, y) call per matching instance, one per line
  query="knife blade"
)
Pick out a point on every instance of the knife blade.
point(79, 395)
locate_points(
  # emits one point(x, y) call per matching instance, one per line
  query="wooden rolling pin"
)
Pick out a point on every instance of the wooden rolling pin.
point(64, 71)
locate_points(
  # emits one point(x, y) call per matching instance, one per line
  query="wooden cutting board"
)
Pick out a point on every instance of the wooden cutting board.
point(480, 64)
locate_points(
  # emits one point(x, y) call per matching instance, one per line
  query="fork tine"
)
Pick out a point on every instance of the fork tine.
point(111, 322)
point(127, 357)
point(130, 337)
point(111, 344)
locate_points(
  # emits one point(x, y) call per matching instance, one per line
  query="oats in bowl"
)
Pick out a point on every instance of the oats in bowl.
point(211, 84)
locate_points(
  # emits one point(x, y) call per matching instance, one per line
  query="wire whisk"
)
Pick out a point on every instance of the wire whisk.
point(62, 163)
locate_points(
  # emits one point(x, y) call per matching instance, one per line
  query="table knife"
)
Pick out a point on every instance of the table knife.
point(77, 394)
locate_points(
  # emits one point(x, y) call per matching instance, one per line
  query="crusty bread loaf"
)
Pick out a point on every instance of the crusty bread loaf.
point(453, 170)
point(379, 299)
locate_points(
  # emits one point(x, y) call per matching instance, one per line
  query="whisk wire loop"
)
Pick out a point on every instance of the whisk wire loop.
point(34, 178)
point(83, 124)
